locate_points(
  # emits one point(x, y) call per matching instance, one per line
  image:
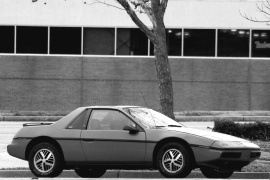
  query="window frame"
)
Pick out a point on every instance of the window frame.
point(84, 124)
point(20, 44)
point(51, 36)
point(117, 29)
point(252, 41)
point(130, 41)
point(13, 42)
point(220, 41)
point(186, 51)
point(85, 43)
point(93, 109)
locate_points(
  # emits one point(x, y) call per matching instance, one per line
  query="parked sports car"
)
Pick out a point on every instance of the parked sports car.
point(91, 140)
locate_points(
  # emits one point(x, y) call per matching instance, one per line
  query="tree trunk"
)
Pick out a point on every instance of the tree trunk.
point(163, 71)
point(158, 38)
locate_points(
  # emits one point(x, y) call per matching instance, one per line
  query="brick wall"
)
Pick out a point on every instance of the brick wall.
point(65, 83)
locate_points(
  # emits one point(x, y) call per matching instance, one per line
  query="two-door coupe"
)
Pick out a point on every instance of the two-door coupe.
point(91, 140)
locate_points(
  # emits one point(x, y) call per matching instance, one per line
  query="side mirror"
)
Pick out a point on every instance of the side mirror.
point(131, 129)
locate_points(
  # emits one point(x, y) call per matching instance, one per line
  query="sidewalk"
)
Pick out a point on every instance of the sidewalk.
point(129, 174)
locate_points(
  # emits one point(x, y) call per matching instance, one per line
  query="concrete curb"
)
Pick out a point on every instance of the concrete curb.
point(130, 174)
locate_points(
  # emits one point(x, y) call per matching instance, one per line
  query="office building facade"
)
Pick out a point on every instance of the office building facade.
point(59, 55)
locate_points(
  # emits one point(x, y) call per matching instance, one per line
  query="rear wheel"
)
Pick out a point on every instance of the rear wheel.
point(214, 173)
point(45, 161)
point(174, 161)
point(90, 173)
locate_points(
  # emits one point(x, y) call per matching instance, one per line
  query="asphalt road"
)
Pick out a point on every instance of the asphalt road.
point(8, 130)
point(123, 174)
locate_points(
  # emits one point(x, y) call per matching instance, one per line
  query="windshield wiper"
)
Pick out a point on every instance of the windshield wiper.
point(175, 126)
point(160, 126)
point(169, 126)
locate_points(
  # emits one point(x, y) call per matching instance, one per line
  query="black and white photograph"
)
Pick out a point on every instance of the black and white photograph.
point(135, 89)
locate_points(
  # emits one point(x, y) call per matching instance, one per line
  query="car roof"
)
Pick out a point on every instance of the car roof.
point(66, 119)
point(111, 107)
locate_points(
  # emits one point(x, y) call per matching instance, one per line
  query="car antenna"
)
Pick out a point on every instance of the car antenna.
point(143, 97)
point(147, 106)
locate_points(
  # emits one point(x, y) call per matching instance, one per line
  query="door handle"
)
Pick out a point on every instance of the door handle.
point(88, 140)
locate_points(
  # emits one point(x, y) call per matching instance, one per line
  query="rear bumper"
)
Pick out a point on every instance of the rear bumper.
point(17, 148)
point(223, 159)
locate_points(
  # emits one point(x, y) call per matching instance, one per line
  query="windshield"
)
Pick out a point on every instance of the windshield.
point(152, 119)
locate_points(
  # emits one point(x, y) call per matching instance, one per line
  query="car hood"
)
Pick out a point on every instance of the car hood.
point(206, 134)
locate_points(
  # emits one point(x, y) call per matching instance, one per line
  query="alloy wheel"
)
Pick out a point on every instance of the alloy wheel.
point(44, 160)
point(172, 160)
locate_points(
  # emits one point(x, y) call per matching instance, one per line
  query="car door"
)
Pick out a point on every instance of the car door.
point(105, 141)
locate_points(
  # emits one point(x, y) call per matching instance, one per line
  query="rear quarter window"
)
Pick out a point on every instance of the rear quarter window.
point(77, 123)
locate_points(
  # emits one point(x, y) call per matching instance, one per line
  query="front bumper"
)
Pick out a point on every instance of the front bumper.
point(17, 147)
point(222, 159)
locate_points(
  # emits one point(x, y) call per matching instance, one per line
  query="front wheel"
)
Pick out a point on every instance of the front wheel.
point(214, 173)
point(45, 160)
point(90, 173)
point(174, 161)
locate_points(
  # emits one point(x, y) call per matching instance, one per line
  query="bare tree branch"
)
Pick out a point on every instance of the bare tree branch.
point(164, 4)
point(155, 10)
point(102, 2)
point(266, 5)
point(261, 9)
point(264, 9)
point(253, 19)
point(92, 3)
point(145, 7)
point(136, 20)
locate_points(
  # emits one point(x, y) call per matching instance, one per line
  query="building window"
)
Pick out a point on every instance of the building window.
point(32, 40)
point(131, 42)
point(261, 43)
point(65, 40)
point(98, 41)
point(6, 39)
point(233, 43)
point(199, 42)
point(174, 42)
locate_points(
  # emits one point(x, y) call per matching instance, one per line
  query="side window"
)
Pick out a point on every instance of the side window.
point(108, 120)
point(78, 122)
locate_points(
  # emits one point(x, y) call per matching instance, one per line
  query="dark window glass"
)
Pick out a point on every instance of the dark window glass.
point(174, 42)
point(32, 40)
point(199, 42)
point(65, 40)
point(98, 41)
point(233, 43)
point(78, 122)
point(108, 120)
point(131, 42)
point(7, 39)
point(261, 43)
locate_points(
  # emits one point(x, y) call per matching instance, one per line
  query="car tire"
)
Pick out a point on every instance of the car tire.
point(214, 173)
point(174, 161)
point(45, 160)
point(90, 173)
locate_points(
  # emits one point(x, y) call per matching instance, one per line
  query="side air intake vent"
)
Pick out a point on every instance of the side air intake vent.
point(231, 155)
